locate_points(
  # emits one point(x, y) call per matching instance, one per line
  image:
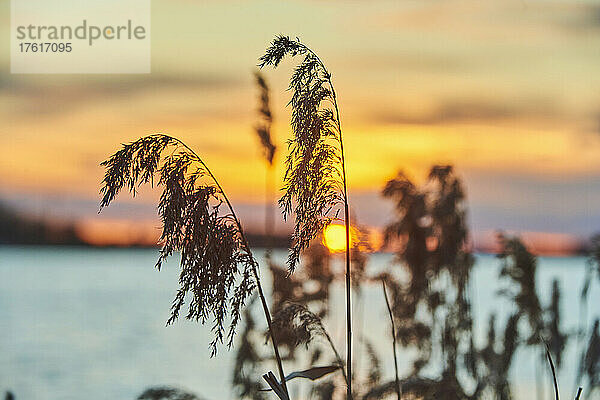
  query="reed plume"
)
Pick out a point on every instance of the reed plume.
point(315, 186)
point(520, 266)
point(304, 326)
point(263, 127)
point(218, 270)
point(589, 366)
point(495, 381)
point(557, 340)
point(593, 268)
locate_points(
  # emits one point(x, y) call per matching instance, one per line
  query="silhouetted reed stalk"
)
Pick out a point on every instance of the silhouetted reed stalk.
point(539, 379)
point(553, 369)
point(264, 133)
point(212, 245)
point(393, 328)
point(313, 180)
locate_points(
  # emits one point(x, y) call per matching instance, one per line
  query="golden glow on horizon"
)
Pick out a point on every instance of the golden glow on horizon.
point(114, 232)
point(548, 154)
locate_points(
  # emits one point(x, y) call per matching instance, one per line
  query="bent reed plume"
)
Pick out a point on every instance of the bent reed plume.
point(315, 186)
point(218, 269)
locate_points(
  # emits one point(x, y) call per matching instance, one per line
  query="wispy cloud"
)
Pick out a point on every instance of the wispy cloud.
point(66, 94)
point(468, 110)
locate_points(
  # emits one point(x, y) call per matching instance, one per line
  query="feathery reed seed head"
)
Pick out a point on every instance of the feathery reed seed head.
point(313, 182)
point(263, 128)
point(302, 324)
point(216, 264)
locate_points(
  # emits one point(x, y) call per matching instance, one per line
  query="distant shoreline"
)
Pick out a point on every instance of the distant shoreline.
point(485, 252)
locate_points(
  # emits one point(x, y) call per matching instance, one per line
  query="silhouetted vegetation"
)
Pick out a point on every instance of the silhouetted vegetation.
point(590, 362)
point(248, 360)
point(315, 187)
point(431, 234)
point(393, 332)
point(431, 304)
point(426, 290)
point(589, 366)
point(300, 302)
point(313, 182)
point(167, 393)
point(263, 127)
point(214, 251)
point(264, 132)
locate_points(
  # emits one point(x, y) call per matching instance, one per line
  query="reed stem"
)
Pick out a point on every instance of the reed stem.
point(553, 371)
point(348, 269)
point(393, 327)
point(347, 226)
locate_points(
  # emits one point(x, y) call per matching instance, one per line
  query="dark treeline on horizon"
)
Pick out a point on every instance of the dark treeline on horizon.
point(19, 229)
point(16, 228)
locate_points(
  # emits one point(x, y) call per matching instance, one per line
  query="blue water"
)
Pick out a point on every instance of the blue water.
point(89, 324)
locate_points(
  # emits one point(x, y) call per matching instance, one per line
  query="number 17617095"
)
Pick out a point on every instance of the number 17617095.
point(35, 47)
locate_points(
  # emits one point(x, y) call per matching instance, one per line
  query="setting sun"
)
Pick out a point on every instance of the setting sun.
point(334, 237)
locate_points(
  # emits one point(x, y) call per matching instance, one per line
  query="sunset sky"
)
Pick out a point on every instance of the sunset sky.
point(507, 91)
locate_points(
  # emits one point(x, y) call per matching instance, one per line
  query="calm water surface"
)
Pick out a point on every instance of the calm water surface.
point(90, 324)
